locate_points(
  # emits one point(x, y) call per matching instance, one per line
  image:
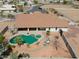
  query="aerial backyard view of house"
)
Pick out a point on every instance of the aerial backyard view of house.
point(39, 29)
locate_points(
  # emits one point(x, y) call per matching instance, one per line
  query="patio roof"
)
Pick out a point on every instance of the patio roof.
point(39, 20)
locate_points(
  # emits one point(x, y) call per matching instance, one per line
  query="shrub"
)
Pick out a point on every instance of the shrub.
point(1, 38)
point(35, 2)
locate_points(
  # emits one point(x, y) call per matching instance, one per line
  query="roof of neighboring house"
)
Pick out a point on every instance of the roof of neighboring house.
point(39, 20)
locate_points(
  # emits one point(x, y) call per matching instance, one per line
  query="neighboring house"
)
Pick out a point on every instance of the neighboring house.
point(7, 8)
point(76, 4)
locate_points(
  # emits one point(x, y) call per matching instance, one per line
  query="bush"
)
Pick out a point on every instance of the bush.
point(25, 3)
point(51, 2)
point(21, 10)
point(48, 33)
point(65, 2)
point(10, 16)
point(1, 38)
point(35, 2)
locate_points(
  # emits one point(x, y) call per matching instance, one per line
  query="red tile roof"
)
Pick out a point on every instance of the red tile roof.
point(39, 20)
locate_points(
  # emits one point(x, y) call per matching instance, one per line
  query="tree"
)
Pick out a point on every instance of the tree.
point(19, 40)
point(10, 16)
point(15, 2)
point(64, 2)
point(55, 12)
point(1, 42)
point(25, 3)
point(1, 13)
point(1, 38)
point(51, 2)
point(48, 33)
point(35, 2)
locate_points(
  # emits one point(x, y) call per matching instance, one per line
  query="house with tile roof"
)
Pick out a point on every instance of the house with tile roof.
point(39, 21)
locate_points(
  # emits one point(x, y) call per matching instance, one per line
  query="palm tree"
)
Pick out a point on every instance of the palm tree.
point(19, 40)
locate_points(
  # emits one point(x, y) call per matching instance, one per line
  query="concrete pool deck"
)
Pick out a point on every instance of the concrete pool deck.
point(50, 50)
point(41, 50)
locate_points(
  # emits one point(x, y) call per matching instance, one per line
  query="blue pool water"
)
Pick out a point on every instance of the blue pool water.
point(29, 39)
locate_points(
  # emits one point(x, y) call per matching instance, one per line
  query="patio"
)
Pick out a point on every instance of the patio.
point(50, 49)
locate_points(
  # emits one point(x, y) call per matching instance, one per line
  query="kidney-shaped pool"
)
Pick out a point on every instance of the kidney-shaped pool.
point(27, 39)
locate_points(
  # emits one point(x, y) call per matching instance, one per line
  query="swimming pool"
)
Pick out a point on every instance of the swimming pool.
point(27, 39)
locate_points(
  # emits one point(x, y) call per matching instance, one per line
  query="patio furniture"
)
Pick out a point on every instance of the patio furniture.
point(47, 41)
